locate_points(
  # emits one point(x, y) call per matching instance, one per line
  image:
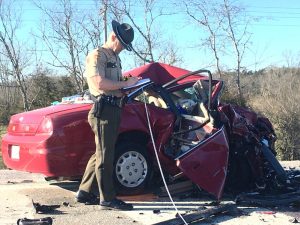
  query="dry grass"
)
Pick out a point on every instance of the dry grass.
point(278, 99)
point(2, 132)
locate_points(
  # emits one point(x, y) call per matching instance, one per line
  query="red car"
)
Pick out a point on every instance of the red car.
point(195, 136)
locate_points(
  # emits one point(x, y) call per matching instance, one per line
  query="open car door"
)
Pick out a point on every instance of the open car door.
point(206, 163)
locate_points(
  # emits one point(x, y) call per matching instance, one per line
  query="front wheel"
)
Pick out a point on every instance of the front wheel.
point(132, 168)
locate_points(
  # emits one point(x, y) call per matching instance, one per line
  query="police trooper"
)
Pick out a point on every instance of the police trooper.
point(103, 73)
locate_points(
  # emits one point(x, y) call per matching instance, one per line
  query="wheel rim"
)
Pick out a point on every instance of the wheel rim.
point(131, 169)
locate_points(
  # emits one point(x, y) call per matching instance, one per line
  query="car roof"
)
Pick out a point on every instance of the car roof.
point(159, 73)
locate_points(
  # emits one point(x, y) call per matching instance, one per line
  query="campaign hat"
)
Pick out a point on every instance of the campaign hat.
point(124, 33)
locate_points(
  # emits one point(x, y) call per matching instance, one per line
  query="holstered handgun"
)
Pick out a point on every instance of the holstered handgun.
point(123, 101)
point(98, 107)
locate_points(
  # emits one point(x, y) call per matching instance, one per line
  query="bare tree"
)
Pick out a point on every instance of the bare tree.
point(13, 56)
point(292, 60)
point(238, 35)
point(150, 44)
point(68, 35)
point(8, 92)
point(169, 54)
point(226, 25)
point(206, 14)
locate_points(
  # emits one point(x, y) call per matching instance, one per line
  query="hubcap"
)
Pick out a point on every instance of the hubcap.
point(131, 169)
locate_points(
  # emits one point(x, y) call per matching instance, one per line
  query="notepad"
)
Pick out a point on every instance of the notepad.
point(138, 84)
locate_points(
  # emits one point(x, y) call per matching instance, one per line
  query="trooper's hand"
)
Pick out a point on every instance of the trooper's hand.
point(132, 80)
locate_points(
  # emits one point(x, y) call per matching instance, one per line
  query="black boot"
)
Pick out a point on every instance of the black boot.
point(86, 197)
point(115, 204)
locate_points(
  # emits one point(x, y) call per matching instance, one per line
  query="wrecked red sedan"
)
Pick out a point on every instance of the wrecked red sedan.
point(195, 136)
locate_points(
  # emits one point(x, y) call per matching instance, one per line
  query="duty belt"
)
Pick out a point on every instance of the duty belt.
point(111, 100)
point(102, 100)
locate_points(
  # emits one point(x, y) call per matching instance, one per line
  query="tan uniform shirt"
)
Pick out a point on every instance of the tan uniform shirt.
point(107, 64)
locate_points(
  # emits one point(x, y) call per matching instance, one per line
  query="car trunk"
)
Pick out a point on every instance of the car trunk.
point(27, 123)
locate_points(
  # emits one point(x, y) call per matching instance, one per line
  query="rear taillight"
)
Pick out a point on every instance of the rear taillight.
point(19, 128)
point(46, 126)
point(10, 127)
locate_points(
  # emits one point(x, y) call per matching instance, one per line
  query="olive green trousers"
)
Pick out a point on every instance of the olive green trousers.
point(100, 165)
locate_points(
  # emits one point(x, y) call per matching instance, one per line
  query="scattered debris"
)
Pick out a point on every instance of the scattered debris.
point(201, 208)
point(21, 182)
point(176, 188)
point(26, 181)
point(205, 214)
point(294, 220)
point(11, 182)
point(274, 200)
point(213, 203)
point(156, 211)
point(268, 212)
point(67, 204)
point(44, 208)
point(41, 221)
point(142, 197)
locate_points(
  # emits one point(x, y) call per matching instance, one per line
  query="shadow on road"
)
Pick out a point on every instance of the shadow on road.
point(68, 185)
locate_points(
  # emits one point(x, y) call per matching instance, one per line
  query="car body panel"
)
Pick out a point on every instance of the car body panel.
point(71, 145)
point(60, 153)
point(206, 163)
point(161, 122)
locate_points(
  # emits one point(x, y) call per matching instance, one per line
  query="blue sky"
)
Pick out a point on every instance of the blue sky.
point(275, 36)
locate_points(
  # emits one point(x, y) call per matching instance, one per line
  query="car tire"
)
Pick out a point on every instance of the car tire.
point(132, 168)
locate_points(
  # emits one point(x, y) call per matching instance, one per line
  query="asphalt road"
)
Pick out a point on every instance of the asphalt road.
point(19, 189)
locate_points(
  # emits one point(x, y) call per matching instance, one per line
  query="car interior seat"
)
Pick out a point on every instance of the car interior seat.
point(201, 90)
point(157, 101)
